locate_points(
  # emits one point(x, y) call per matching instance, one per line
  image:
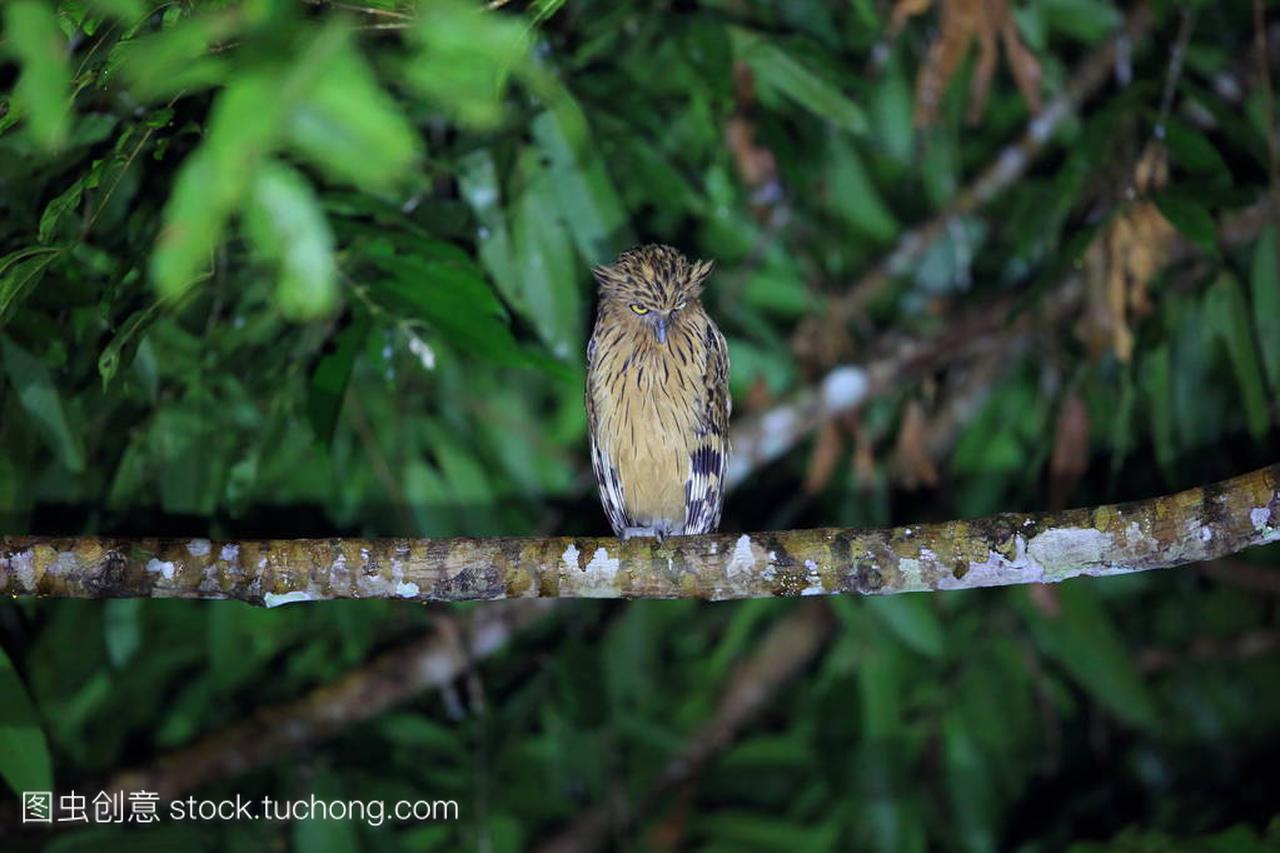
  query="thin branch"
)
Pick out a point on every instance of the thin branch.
point(1203, 523)
point(1263, 641)
point(1176, 58)
point(363, 693)
point(787, 649)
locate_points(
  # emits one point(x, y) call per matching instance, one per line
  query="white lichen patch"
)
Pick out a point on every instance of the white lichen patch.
point(844, 388)
point(230, 554)
point(163, 568)
point(715, 548)
point(199, 547)
point(407, 589)
point(65, 563)
point(742, 559)
point(570, 557)
point(1067, 551)
point(1259, 517)
point(272, 599)
point(1206, 534)
point(598, 578)
point(25, 567)
point(812, 579)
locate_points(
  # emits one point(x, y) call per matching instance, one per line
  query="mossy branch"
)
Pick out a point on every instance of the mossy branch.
point(1199, 524)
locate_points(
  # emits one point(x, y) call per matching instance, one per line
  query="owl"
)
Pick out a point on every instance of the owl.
point(657, 396)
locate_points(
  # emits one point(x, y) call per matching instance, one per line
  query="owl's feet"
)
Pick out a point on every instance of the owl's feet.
point(643, 532)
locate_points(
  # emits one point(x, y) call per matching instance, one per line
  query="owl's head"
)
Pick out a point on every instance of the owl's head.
point(653, 285)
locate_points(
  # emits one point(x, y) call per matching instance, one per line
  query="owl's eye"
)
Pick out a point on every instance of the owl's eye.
point(679, 305)
point(639, 309)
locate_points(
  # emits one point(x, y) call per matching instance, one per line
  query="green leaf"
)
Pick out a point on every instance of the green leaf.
point(586, 196)
point(122, 623)
point(40, 399)
point(544, 252)
point(125, 11)
point(775, 68)
point(1265, 281)
point(1193, 151)
point(1085, 642)
point(479, 185)
point(210, 185)
point(175, 60)
point(466, 55)
point(67, 200)
point(328, 386)
point(1157, 385)
point(853, 195)
point(351, 128)
point(912, 620)
point(1228, 315)
point(21, 271)
point(24, 753)
point(1086, 20)
point(452, 298)
point(245, 126)
point(1190, 218)
point(120, 350)
point(285, 224)
point(43, 88)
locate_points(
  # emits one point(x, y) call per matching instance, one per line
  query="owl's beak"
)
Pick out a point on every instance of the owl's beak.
point(660, 329)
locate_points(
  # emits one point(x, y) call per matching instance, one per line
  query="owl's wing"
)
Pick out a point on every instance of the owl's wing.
point(709, 457)
point(605, 471)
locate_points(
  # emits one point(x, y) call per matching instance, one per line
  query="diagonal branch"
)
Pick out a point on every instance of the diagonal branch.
point(363, 693)
point(783, 653)
point(1203, 523)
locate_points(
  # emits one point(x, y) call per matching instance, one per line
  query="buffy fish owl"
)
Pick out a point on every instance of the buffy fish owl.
point(657, 396)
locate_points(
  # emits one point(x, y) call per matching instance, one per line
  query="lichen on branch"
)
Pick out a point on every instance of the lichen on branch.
point(1203, 523)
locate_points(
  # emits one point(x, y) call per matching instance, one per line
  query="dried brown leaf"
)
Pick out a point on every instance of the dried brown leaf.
point(913, 463)
point(822, 462)
point(990, 23)
point(1122, 261)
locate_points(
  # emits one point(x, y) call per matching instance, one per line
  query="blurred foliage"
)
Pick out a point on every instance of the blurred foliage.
point(284, 269)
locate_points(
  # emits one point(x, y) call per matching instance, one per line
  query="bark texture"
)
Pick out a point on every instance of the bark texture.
point(1203, 523)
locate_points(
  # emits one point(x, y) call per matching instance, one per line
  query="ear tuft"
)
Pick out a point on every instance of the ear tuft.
point(605, 275)
point(702, 269)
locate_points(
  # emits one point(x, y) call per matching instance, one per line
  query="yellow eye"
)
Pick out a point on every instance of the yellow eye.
point(639, 309)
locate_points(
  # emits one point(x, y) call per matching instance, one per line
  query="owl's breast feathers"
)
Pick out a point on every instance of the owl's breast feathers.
point(659, 417)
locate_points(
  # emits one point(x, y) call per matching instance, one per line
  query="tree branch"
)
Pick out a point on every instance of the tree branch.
point(1203, 523)
point(363, 693)
point(788, 647)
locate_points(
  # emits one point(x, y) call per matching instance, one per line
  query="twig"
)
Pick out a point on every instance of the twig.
point(392, 678)
point(1252, 644)
point(1204, 523)
point(786, 650)
point(1176, 57)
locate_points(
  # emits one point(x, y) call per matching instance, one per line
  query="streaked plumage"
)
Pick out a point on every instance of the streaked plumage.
point(657, 396)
